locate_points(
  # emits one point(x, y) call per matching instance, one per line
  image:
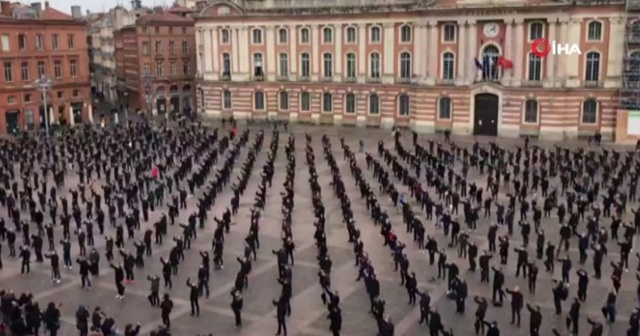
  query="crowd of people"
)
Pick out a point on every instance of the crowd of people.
point(125, 177)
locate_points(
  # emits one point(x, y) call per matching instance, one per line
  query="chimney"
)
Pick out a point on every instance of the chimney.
point(136, 4)
point(37, 7)
point(76, 12)
point(6, 8)
point(46, 4)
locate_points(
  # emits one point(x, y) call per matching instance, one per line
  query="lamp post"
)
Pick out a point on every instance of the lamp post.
point(122, 90)
point(148, 80)
point(44, 84)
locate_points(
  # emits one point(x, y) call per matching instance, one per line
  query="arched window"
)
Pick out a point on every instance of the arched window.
point(351, 65)
point(226, 100)
point(375, 36)
point(405, 65)
point(590, 111)
point(444, 108)
point(327, 35)
point(490, 69)
point(258, 101)
point(405, 34)
point(283, 100)
point(375, 65)
point(531, 111)
point(374, 104)
point(350, 103)
point(535, 68)
point(305, 65)
point(594, 31)
point(305, 102)
point(351, 35)
point(283, 36)
point(592, 70)
point(404, 105)
point(327, 61)
point(536, 31)
point(283, 60)
point(226, 64)
point(327, 102)
point(448, 66)
point(304, 36)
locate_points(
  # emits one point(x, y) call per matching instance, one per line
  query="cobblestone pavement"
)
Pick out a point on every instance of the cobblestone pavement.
point(309, 316)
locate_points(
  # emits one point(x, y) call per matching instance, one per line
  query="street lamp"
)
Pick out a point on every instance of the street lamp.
point(122, 89)
point(148, 80)
point(44, 84)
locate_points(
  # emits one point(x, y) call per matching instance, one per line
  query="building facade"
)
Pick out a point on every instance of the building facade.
point(462, 65)
point(38, 42)
point(156, 63)
point(102, 51)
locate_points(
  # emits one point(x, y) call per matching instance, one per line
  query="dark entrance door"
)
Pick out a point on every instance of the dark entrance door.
point(486, 114)
point(175, 104)
point(161, 105)
point(12, 120)
point(44, 120)
point(76, 108)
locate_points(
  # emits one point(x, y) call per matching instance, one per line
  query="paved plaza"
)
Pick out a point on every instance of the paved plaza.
point(309, 317)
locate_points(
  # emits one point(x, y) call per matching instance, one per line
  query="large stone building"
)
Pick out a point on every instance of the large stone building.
point(102, 49)
point(156, 62)
point(40, 41)
point(465, 65)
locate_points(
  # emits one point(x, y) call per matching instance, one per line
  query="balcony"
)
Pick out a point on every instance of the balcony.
point(403, 80)
point(374, 79)
point(258, 78)
point(226, 76)
point(326, 79)
point(350, 79)
point(303, 78)
point(592, 84)
point(282, 78)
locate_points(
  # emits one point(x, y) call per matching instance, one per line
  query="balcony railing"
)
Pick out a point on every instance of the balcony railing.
point(403, 80)
point(258, 78)
point(226, 76)
point(350, 79)
point(374, 79)
point(327, 79)
point(303, 78)
point(592, 84)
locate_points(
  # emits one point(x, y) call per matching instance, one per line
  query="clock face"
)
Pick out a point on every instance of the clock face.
point(491, 29)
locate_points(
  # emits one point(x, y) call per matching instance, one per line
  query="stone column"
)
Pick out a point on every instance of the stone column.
point(235, 63)
point(616, 52)
point(509, 51)
point(462, 52)
point(245, 57)
point(208, 47)
point(293, 57)
point(200, 51)
point(338, 53)
point(434, 58)
point(573, 61)
point(388, 68)
point(518, 59)
point(419, 48)
point(270, 59)
point(562, 61)
point(472, 52)
point(363, 58)
point(316, 58)
point(215, 53)
point(550, 62)
point(70, 118)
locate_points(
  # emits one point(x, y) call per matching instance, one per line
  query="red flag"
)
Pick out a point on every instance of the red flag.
point(505, 63)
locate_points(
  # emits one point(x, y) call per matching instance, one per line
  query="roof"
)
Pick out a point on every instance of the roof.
point(164, 17)
point(54, 14)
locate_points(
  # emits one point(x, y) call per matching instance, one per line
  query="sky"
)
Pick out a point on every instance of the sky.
point(96, 5)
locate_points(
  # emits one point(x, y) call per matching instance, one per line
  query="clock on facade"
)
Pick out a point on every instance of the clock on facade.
point(491, 29)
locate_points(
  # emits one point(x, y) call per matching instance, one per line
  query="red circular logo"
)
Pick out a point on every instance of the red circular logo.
point(540, 47)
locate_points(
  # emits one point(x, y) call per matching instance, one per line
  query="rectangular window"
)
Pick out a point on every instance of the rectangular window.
point(327, 35)
point(54, 41)
point(158, 47)
point(60, 94)
point(146, 69)
point(227, 103)
point(284, 65)
point(11, 100)
point(73, 68)
point(157, 30)
point(185, 68)
point(24, 71)
point(282, 36)
point(172, 48)
point(27, 98)
point(304, 65)
point(449, 33)
point(5, 42)
point(71, 41)
point(22, 42)
point(42, 70)
point(304, 36)
point(39, 42)
point(257, 36)
point(185, 47)
point(305, 102)
point(57, 69)
point(145, 48)
point(350, 106)
point(173, 68)
point(226, 64)
point(225, 36)
point(159, 66)
point(8, 72)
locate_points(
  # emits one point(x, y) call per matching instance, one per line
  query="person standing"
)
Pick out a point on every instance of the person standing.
point(236, 306)
point(153, 298)
point(194, 294)
point(281, 314)
point(119, 278)
point(165, 310)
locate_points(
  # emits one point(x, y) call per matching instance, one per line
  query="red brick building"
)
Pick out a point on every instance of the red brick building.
point(37, 41)
point(156, 62)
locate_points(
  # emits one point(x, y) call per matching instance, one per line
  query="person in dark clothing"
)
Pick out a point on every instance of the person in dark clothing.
point(165, 310)
point(194, 295)
point(236, 306)
point(535, 320)
point(281, 314)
